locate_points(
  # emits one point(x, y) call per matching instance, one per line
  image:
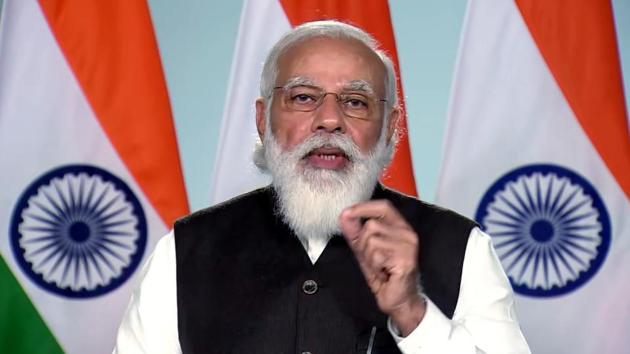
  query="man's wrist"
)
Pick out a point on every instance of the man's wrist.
point(409, 315)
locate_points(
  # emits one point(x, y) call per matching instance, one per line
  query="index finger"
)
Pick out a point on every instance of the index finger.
point(382, 210)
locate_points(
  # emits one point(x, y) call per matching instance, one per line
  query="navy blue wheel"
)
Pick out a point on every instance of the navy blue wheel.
point(78, 231)
point(549, 226)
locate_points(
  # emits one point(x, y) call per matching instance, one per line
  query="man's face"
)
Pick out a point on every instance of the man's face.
point(333, 66)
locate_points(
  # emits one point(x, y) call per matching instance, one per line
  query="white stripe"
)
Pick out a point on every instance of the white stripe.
point(262, 24)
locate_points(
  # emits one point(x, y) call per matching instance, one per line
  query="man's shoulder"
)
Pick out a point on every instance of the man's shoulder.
point(241, 205)
point(443, 237)
point(416, 209)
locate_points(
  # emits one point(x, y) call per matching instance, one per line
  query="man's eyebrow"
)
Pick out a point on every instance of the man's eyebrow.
point(354, 85)
point(359, 85)
point(300, 81)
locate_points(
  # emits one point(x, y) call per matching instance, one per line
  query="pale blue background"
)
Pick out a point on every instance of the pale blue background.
point(197, 37)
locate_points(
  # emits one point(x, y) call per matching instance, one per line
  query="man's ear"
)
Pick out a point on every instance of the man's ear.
point(261, 107)
point(392, 123)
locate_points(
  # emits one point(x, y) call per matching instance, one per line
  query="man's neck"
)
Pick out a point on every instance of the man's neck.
point(314, 247)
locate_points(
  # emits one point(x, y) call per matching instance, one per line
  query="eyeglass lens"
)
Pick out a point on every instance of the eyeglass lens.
point(308, 98)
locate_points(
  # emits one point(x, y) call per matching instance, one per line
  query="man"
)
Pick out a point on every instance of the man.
point(325, 260)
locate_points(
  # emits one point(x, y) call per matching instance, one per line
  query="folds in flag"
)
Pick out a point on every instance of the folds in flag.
point(262, 24)
point(537, 150)
point(90, 169)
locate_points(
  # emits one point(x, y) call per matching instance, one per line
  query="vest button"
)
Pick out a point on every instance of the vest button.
point(309, 287)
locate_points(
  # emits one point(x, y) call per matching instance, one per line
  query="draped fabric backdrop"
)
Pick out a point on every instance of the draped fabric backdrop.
point(90, 169)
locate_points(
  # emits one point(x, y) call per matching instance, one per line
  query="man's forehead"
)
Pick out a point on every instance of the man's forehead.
point(346, 62)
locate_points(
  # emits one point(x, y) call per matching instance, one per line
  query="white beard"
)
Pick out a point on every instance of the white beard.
point(310, 200)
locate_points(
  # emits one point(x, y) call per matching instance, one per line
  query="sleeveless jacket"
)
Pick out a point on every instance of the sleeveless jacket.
point(245, 283)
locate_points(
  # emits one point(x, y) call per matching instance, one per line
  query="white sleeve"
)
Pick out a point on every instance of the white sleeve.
point(484, 320)
point(150, 322)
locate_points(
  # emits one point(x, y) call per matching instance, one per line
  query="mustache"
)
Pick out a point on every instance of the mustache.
point(326, 140)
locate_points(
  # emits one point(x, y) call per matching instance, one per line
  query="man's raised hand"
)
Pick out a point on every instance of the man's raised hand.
point(386, 248)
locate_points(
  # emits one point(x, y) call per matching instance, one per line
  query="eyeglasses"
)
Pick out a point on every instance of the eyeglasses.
point(305, 98)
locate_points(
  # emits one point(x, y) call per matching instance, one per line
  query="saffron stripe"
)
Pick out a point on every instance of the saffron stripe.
point(117, 65)
point(578, 42)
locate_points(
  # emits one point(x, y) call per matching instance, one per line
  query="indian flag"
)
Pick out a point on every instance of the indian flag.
point(538, 151)
point(90, 176)
point(262, 24)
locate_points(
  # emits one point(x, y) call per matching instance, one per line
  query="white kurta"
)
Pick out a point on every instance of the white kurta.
point(484, 320)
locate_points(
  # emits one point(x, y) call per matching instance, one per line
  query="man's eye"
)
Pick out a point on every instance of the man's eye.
point(355, 102)
point(302, 98)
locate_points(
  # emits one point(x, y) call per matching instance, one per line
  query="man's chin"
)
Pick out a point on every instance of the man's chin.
point(316, 176)
point(311, 202)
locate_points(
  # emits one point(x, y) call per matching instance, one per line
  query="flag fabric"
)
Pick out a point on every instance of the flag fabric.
point(262, 24)
point(537, 150)
point(90, 177)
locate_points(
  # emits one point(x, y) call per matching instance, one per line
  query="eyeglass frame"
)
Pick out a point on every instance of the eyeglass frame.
point(322, 96)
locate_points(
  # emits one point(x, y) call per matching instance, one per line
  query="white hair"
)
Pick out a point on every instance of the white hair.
point(325, 29)
point(310, 200)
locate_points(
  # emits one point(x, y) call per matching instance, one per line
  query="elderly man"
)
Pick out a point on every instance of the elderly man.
point(325, 260)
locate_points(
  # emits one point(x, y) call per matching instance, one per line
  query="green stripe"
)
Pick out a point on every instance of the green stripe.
point(22, 330)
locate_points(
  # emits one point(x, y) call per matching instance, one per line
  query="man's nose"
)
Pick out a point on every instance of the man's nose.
point(328, 116)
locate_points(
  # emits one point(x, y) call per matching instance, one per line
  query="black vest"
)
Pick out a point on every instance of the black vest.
point(245, 284)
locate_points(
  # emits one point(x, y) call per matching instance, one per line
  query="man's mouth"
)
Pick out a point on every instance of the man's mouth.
point(329, 158)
